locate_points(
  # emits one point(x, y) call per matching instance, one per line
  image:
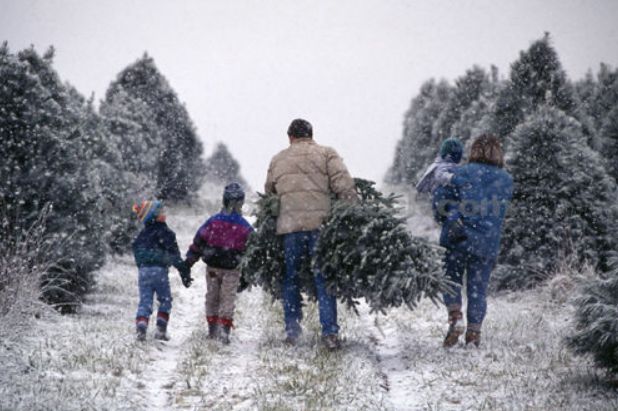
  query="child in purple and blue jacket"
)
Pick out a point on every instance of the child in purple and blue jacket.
point(220, 243)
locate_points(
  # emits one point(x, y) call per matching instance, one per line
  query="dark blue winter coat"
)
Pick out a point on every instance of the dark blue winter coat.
point(156, 245)
point(471, 209)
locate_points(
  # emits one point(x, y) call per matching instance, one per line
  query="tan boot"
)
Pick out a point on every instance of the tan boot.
point(473, 337)
point(331, 342)
point(455, 328)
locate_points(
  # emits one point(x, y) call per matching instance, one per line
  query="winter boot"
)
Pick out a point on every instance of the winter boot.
point(331, 342)
point(225, 326)
point(473, 337)
point(140, 333)
point(212, 330)
point(224, 334)
point(161, 333)
point(213, 327)
point(141, 325)
point(162, 320)
point(291, 340)
point(455, 328)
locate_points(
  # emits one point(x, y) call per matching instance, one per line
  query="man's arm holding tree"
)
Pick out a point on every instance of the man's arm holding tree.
point(340, 181)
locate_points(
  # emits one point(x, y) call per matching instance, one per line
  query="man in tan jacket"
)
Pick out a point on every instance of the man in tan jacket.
point(305, 176)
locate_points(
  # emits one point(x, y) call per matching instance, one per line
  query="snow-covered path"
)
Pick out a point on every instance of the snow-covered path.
point(91, 361)
point(162, 374)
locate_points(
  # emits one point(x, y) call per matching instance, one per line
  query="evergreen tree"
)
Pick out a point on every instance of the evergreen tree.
point(222, 167)
point(43, 153)
point(475, 119)
point(468, 90)
point(179, 166)
point(564, 202)
point(609, 137)
point(421, 136)
point(263, 264)
point(441, 111)
point(536, 79)
point(596, 321)
point(605, 96)
point(115, 183)
point(364, 251)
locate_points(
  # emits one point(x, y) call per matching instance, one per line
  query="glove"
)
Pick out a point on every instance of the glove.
point(185, 274)
point(456, 232)
point(186, 281)
point(242, 285)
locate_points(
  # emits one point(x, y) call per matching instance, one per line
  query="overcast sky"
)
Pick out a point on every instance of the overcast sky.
point(246, 68)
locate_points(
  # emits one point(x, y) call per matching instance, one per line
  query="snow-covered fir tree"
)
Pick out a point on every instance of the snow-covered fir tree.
point(564, 202)
point(609, 140)
point(438, 112)
point(418, 144)
point(43, 148)
point(222, 167)
point(130, 125)
point(537, 78)
point(468, 89)
point(178, 163)
point(116, 183)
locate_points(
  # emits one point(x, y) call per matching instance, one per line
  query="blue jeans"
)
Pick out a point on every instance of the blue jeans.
point(154, 280)
point(478, 270)
point(299, 246)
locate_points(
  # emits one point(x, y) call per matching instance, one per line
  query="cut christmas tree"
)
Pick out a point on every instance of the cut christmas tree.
point(364, 251)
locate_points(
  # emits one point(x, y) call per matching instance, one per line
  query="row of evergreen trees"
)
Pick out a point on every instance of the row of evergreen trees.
point(561, 140)
point(57, 149)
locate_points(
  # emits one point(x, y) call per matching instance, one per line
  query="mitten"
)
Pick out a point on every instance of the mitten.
point(456, 232)
point(185, 274)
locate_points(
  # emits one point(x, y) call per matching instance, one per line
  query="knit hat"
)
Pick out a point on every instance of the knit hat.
point(452, 147)
point(300, 128)
point(148, 210)
point(233, 192)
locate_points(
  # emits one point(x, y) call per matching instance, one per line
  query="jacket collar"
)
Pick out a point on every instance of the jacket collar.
point(304, 140)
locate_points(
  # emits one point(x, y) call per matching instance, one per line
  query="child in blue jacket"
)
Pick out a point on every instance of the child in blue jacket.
point(440, 172)
point(155, 249)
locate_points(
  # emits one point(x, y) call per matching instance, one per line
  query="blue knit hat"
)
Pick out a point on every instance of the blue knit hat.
point(452, 147)
point(233, 192)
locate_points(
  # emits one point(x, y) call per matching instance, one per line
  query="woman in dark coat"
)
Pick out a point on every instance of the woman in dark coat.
point(471, 211)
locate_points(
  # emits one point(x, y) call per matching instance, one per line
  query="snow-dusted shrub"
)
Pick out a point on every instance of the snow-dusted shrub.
point(596, 320)
point(24, 258)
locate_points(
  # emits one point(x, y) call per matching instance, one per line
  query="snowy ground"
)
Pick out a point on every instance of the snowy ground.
point(90, 361)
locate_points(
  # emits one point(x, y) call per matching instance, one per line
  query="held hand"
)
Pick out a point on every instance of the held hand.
point(186, 280)
point(242, 285)
point(185, 274)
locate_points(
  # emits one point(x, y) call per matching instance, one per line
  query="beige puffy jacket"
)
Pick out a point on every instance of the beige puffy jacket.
point(305, 175)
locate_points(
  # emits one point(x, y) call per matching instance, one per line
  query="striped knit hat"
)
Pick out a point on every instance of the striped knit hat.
point(148, 210)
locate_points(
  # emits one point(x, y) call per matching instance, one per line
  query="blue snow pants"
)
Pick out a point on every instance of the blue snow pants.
point(154, 280)
point(299, 246)
point(477, 270)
